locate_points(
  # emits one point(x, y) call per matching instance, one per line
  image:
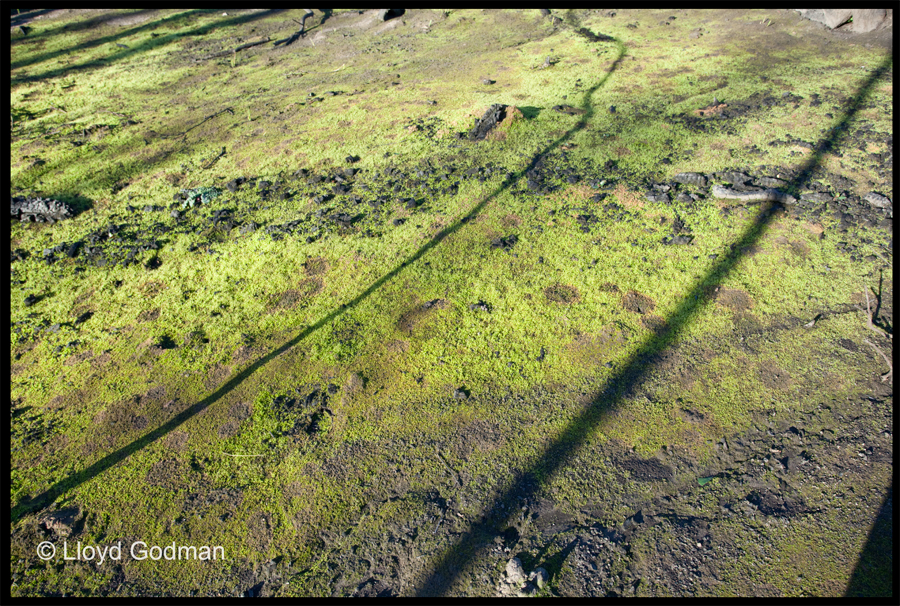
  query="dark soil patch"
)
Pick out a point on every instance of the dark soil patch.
point(562, 293)
point(78, 358)
point(148, 315)
point(241, 410)
point(638, 303)
point(316, 266)
point(773, 377)
point(735, 300)
point(647, 470)
point(259, 531)
point(654, 323)
point(415, 317)
point(217, 376)
point(307, 289)
point(165, 473)
point(176, 440)
point(229, 429)
point(478, 436)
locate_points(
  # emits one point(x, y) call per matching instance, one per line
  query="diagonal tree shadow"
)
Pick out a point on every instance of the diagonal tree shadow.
point(522, 486)
point(872, 576)
point(448, 566)
point(128, 52)
point(68, 28)
point(90, 472)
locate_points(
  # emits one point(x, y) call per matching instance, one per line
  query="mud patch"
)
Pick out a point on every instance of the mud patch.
point(735, 300)
point(229, 429)
point(562, 293)
point(166, 474)
point(418, 316)
point(374, 588)
point(654, 324)
point(773, 377)
point(316, 266)
point(771, 504)
point(78, 358)
point(259, 532)
point(241, 411)
point(638, 303)
point(148, 315)
point(176, 440)
point(294, 297)
point(216, 376)
point(479, 436)
point(647, 470)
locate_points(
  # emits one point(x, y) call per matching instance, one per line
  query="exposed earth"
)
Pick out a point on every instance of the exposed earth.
point(472, 303)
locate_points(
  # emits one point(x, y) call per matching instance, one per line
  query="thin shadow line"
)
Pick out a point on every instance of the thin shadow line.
point(143, 46)
point(523, 486)
point(80, 477)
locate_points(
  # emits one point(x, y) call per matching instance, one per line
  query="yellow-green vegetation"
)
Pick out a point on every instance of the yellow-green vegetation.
point(321, 370)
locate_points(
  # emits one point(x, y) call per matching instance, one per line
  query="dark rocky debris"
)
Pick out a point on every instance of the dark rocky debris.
point(491, 118)
point(39, 210)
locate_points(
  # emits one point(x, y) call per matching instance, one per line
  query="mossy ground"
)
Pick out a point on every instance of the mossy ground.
point(219, 329)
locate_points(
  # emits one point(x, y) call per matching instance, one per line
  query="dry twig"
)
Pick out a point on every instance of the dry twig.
point(890, 373)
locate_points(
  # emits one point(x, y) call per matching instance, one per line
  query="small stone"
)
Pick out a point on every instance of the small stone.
point(514, 571)
point(877, 200)
point(540, 577)
point(659, 197)
point(691, 179)
point(487, 81)
point(461, 394)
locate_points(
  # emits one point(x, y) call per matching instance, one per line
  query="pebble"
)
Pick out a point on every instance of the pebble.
point(877, 200)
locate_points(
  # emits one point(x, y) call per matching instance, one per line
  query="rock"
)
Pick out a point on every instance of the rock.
point(877, 200)
point(691, 179)
point(816, 197)
point(491, 118)
point(30, 300)
point(461, 394)
point(514, 572)
point(660, 197)
point(767, 195)
point(733, 177)
point(505, 243)
point(770, 182)
point(487, 81)
point(62, 521)
point(386, 14)
point(834, 17)
point(679, 240)
point(540, 577)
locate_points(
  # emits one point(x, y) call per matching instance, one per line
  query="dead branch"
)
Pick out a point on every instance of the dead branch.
point(887, 376)
point(234, 50)
point(210, 117)
point(869, 319)
point(213, 161)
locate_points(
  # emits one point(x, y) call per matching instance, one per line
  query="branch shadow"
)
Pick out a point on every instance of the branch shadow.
point(623, 383)
point(70, 28)
point(92, 471)
point(128, 52)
